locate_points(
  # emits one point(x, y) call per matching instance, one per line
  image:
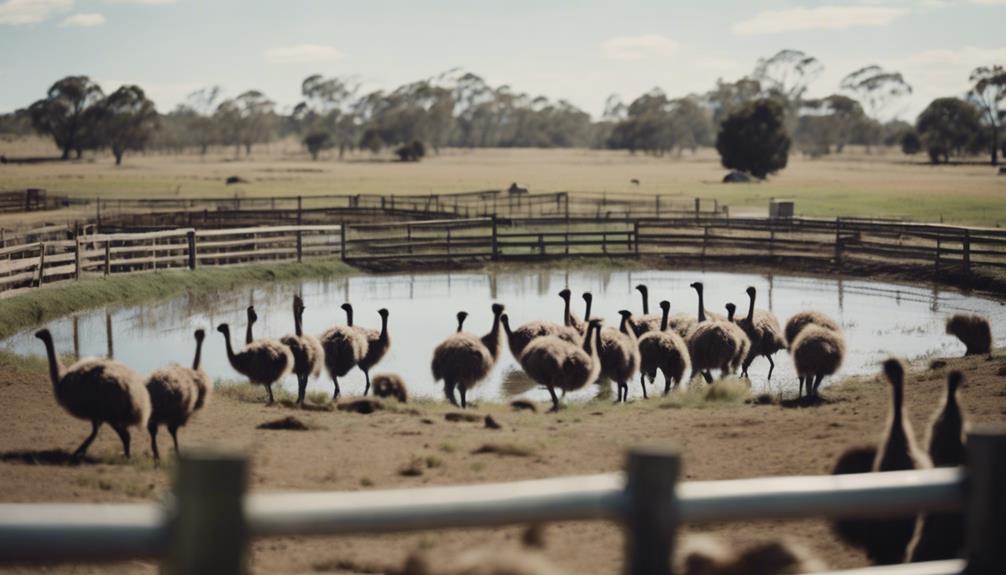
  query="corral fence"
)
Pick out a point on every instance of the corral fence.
point(208, 523)
point(31, 200)
point(50, 255)
point(945, 248)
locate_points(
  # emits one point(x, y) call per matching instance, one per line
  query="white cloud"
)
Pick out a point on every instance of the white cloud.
point(638, 47)
point(83, 21)
point(15, 12)
point(938, 73)
point(819, 18)
point(303, 54)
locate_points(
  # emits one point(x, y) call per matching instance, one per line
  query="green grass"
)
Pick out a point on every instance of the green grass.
point(730, 391)
point(37, 307)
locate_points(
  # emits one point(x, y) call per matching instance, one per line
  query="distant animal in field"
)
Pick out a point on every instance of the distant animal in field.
point(940, 536)
point(515, 189)
point(391, 385)
point(176, 393)
point(263, 362)
point(308, 355)
point(100, 391)
point(463, 360)
point(231, 180)
point(884, 540)
point(559, 364)
point(702, 555)
point(634, 181)
point(973, 331)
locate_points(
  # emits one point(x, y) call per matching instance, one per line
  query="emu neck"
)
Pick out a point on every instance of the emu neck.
point(492, 339)
point(566, 319)
point(586, 311)
point(298, 323)
point(702, 306)
point(349, 316)
point(751, 305)
point(588, 341)
point(384, 328)
point(197, 361)
point(646, 301)
point(248, 332)
point(951, 405)
point(664, 317)
point(55, 368)
point(627, 327)
point(227, 344)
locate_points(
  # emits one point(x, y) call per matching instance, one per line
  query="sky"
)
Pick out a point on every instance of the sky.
point(581, 51)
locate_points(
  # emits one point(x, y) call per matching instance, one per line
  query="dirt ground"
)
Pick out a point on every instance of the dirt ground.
point(344, 451)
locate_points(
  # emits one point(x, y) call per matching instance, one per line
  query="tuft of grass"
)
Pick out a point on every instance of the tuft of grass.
point(366, 482)
point(724, 391)
point(318, 397)
point(36, 307)
point(448, 447)
point(433, 462)
point(250, 393)
point(505, 449)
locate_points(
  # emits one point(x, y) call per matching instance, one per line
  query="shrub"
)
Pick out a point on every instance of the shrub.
point(753, 139)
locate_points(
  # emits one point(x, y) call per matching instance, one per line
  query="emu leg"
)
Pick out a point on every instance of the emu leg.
point(268, 389)
point(335, 382)
point(464, 401)
point(152, 429)
point(799, 394)
point(301, 389)
point(173, 429)
point(644, 390)
point(366, 390)
point(771, 366)
point(817, 382)
point(123, 432)
point(707, 376)
point(744, 366)
point(555, 400)
point(667, 384)
point(449, 392)
point(95, 425)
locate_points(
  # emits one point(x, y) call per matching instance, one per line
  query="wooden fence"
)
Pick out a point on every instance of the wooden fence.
point(208, 524)
point(34, 264)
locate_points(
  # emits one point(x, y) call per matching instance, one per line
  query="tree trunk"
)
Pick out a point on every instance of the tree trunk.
point(248, 149)
point(118, 156)
point(342, 150)
point(203, 149)
point(995, 145)
point(66, 153)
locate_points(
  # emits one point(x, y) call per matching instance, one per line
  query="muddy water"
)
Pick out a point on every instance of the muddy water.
point(878, 319)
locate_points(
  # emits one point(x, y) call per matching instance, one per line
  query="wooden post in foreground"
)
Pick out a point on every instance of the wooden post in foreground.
point(191, 235)
point(985, 509)
point(41, 264)
point(652, 515)
point(495, 244)
point(208, 532)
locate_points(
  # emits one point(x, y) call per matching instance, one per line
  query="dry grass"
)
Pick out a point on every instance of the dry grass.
point(884, 184)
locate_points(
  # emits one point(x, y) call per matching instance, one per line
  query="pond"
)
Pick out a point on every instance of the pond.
point(879, 319)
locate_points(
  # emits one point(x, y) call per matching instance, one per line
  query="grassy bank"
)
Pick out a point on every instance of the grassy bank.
point(37, 307)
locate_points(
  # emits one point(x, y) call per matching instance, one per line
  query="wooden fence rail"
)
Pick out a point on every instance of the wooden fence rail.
point(208, 526)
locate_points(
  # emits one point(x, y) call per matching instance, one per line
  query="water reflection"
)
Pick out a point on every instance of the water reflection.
point(879, 319)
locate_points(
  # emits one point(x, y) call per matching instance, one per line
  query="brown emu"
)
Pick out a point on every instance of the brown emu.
point(518, 339)
point(252, 318)
point(762, 328)
point(569, 319)
point(817, 352)
point(804, 318)
point(941, 535)
point(390, 385)
point(619, 353)
point(885, 540)
point(263, 362)
point(308, 354)
point(664, 350)
point(973, 331)
point(557, 363)
point(344, 347)
point(702, 555)
point(463, 360)
point(712, 344)
point(378, 342)
point(743, 343)
point(176, 393)
point(100, 391)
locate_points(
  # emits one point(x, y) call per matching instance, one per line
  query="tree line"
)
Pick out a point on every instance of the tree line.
point(461, 109)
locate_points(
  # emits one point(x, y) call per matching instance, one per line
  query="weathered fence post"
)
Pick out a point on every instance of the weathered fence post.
point(108, 257)
point(495, 239)
point(966, 256)
point(657, 214)
point(635, 236)
point(193, 260)
point(652, 514)
point(41, 264)
point(448, 241)
point(209, 533)
point(343, 231)
point(985, 512)
point(939, 247)
point(76, 254)
point(838, 241)
point(698, 208)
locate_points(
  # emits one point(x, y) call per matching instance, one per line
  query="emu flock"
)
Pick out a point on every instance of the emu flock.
point(561, 356)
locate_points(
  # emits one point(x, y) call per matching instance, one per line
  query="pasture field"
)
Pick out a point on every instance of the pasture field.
point(883, 184)
point(413, 445)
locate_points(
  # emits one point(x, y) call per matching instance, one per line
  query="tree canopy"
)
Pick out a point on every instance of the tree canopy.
point(753, 139)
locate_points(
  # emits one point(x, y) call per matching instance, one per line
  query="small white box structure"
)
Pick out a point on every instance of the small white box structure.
point(780, 209)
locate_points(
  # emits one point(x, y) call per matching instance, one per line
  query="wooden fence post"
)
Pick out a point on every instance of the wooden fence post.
point(985, 511)
point(193, 259)
point(108, 257)
point(41, 264)
point(495, 240)
point(209, 533)
point(76, 254)
point(838, 241)
point(343, 232)
point(658, 205)
point(936, 264)
point(698, 207)
point(652, 517)
point(635, 236)
point(966, 256)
